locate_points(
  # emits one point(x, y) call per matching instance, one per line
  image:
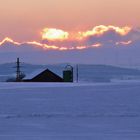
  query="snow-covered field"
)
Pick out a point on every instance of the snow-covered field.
point(45, 111)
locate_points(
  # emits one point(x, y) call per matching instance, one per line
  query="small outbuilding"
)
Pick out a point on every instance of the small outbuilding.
point(43, 76)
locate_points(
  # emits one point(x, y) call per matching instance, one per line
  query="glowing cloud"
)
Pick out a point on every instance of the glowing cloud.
point(45, 46)
point(58, 37)
point(81, 47)
point(35, 43)
point(54, 34)
point(99, 36)
point(63, 49)
point(7, 39)
point(101, 29)
point(124, 42)
point(97, 45)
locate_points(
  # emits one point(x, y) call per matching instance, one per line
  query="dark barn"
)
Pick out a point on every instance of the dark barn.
point(43, 76)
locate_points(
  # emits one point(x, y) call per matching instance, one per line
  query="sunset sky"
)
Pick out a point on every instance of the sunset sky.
point(105, 26)
point(23, 20)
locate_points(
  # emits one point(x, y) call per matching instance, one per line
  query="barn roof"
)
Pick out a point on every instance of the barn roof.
point(34, 74)
point(43, 75)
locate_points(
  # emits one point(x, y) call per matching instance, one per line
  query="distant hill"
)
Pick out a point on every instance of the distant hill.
point(105, 73)
point(90, 73)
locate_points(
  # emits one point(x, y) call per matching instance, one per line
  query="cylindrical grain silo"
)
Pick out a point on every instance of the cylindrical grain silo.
point(68, 74)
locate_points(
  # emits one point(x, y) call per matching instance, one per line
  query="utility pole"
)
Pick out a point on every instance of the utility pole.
point(18, 72)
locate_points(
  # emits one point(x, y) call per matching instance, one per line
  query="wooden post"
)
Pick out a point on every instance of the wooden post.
point(77, 73)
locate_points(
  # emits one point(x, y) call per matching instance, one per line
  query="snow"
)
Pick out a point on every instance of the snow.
point(70, 111)
point(35, 73)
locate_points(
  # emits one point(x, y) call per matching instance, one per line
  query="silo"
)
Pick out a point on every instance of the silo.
point(68, 74)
